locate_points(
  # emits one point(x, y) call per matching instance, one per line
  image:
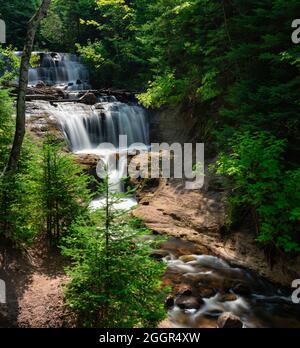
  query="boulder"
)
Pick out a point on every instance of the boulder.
point(242, 289)
point(188, 258)
point(229, 321)
point(40, 84)
point(204, 292)
point(89, 161)
point(228, 298)
point(99, 106)
point(169, 302)
point(41, 125)
point(189, 302)
point(88, 98)
point(185, 291)
point(159, 254)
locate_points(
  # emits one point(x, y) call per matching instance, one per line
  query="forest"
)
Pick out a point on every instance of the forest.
point(123, 252)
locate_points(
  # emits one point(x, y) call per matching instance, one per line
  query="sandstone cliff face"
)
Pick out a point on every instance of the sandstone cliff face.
point(39, 123)
point(173, 125)
point(198, 216)
point(168, 208)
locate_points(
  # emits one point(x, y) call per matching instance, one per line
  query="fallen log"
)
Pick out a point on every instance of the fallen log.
point(64, 101)
point(46, 97)
point(87, 97)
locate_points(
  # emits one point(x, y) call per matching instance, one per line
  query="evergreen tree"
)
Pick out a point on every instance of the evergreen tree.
point(114, 282)
point(64, 189)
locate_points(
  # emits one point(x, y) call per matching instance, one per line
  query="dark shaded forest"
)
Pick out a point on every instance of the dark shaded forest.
point(230, 64)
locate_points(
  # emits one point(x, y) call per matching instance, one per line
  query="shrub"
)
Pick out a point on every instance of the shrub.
point(258, 183)
point(6, 126)
point(9, 64)
point(64, 190)
point(114, 282)
point(21, 217)
point(47, 192)
point(20, 203)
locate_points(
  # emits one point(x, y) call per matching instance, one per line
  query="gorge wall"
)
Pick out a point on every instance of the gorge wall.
point(174, 124)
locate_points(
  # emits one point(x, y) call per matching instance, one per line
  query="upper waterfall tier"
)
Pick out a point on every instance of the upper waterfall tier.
point(59, 69)
point(85, 127)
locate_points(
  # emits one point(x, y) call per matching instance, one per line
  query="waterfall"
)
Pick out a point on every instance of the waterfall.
point(87, 127)
point(56, 69)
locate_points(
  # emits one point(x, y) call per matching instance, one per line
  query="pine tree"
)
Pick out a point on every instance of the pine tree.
point(114, 281)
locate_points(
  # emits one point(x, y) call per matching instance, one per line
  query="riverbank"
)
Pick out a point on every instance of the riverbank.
point(198, 216)
point(202, 286)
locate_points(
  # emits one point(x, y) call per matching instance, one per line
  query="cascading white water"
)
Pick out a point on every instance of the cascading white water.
point(87, 127)
point(206, 286)
point(63, 69)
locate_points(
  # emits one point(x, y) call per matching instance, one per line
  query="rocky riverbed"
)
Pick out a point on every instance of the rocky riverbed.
point(208, 292)
point(198, 216)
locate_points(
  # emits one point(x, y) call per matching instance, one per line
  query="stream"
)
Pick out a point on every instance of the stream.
point(207, 286)
point(204, 286)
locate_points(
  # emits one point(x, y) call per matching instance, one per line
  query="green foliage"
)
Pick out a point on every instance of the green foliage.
point(16, 14)
point(9, 65)
point(63, 27)
point(102, 68)
point(21, 216)
point(208, 89)
point(114, 283)
point(161, 91)
point(6, 126)
point(52, 27)
point(231, 60)
point(173, 41)
point(60, 30)
point(114, 50)
point(64, 191)
point(258, 183)
point(48, 191)
point(234, 57)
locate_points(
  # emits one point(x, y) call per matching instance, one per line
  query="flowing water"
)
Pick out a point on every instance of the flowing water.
point(214, 286)
point(88, 132)
point(63, 69)
point(88, 128)
point(95, 130)
point(206, 285)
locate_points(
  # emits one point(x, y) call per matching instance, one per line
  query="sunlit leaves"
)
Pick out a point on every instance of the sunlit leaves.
point(257, 181)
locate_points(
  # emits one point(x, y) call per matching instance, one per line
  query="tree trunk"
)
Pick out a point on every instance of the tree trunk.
point(107, 219)
point(23, 82)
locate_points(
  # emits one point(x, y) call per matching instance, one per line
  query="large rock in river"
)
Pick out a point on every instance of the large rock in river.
point(89, 98)
point(189, 302)
point(229, 321)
